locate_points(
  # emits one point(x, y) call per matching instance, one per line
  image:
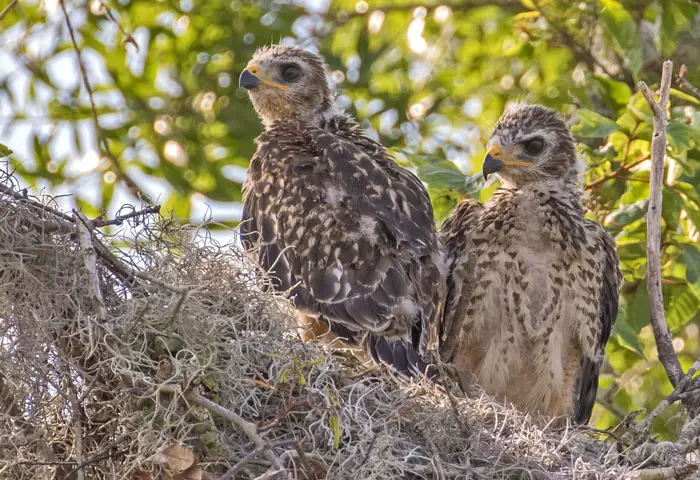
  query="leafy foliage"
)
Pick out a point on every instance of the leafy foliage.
point(428, 81)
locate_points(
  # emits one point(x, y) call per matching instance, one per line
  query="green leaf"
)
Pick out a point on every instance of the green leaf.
point(444, 174)
point(4, 151)
point(616, 94)
point(681, 136)
point(622, 28)
point(639, 316)
point(593, 125)
point(628, 213)
point(474, 184)
point(684, 96)
point(691, 257)
point(625, 334)
point(683, 307)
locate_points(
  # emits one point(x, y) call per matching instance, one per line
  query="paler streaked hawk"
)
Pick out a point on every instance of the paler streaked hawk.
point(533, 285)
point(342, 229)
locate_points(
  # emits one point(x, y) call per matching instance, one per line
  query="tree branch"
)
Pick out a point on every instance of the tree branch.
point(250, 430)
point(102, 143)
point(662, 335)
point(623, 168)
point(673, 397)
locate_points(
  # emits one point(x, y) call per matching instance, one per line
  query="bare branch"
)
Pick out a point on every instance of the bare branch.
point(672, 398)
point(664, 343)
point(245, 426)
point(102, 143)
point(119, 219)
point(90, 256)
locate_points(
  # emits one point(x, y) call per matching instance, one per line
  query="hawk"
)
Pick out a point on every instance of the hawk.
point(533, 285)
point(344, 231)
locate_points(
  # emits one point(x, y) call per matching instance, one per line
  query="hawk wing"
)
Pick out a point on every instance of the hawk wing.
point(343, 237)
point(611, 281)
point(456, 232)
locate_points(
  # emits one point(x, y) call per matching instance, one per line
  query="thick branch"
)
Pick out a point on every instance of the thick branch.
point(664, 343)
point(90, 258)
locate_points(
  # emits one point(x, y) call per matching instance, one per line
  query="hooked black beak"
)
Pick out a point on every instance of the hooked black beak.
point(491, 165)
point(247, 80)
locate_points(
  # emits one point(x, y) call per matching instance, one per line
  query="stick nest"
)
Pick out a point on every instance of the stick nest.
point(154, 352)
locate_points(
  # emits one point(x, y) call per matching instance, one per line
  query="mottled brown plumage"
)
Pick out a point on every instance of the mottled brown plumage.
point(345, 232)
point(533, 285)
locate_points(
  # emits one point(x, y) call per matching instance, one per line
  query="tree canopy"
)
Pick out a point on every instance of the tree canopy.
point(110, 101)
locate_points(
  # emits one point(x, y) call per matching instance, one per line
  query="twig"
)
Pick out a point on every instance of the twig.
point(34, 203)
point(102, 144)
point(683, 80)
point(664, 343)
point(245, 426)
point(90, 258)
point(119, 219)
point(127, 36)
point(673, 397)
point(7, 9)
point(77, 421)
point(663, 473)
point(251, 456)
point(614, 174)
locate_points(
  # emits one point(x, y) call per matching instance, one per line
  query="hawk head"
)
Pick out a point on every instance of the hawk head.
point(530, 143)
point(286, 83)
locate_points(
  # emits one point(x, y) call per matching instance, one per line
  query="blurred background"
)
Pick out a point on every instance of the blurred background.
point(427, 79)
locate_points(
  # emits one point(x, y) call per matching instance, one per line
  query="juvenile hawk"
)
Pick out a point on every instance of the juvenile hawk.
point(343, 230)
point(533, 285)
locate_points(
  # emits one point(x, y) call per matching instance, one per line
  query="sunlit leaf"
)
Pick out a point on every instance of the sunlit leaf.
point(4, 151)
point(626, 335)
point(593, 125)
point(621, 26)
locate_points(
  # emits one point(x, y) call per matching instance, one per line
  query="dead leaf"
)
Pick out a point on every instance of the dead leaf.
point(141, 476)
point(193, 473)
point(178, 458)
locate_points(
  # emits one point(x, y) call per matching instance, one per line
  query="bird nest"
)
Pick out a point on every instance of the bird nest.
point(139, 348)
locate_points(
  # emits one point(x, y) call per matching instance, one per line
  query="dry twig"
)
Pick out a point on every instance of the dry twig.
point(664, 343)
point(102, 144)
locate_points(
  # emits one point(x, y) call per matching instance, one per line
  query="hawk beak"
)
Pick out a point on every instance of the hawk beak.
point(247, 80)
point(253, 76)
point(496, 159)
point(492, 164)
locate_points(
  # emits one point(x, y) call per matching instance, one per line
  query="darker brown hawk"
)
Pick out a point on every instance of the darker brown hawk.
point(533, 285)
point(344, 231)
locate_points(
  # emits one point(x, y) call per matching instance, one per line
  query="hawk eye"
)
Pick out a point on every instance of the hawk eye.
point(534, 146)
point(291, 73)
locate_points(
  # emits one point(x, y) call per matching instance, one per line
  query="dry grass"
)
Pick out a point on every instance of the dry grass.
point(125, 365)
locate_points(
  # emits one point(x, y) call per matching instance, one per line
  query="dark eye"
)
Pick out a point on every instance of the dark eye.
point(291, 73)
point(534, 146)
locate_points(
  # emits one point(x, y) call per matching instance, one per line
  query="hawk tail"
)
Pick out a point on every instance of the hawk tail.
point(400, 355)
